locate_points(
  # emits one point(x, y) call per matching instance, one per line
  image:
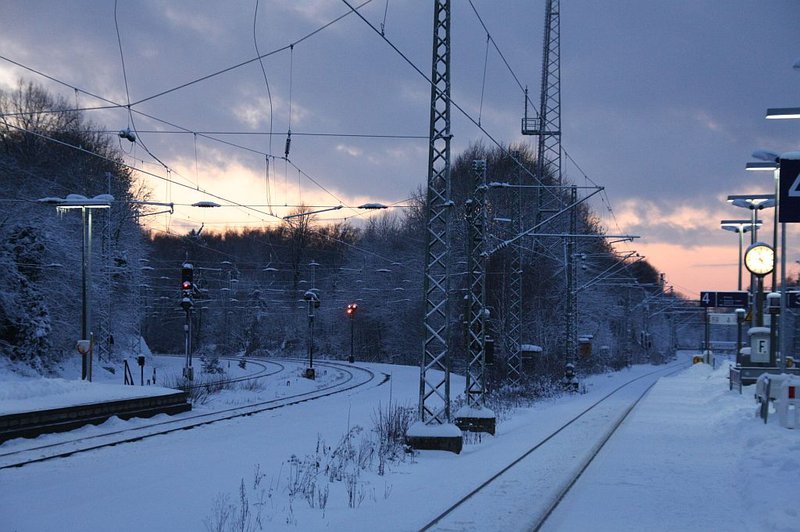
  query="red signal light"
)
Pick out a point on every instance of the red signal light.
point(186, 285)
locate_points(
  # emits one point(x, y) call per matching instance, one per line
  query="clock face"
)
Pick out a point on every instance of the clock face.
point(759, 259)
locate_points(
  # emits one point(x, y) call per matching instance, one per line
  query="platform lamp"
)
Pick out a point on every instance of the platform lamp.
point(755, 203)
point(739, 227)
point(783, 113)
point(86, 206)
point(769, 163)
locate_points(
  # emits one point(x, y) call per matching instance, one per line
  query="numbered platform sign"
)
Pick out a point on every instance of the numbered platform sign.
point(724, 299)
point(789, 184)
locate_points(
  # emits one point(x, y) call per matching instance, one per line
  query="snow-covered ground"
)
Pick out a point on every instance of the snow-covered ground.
point(691, 457)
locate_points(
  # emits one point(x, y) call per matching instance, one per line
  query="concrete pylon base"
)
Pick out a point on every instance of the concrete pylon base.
point(435, 437)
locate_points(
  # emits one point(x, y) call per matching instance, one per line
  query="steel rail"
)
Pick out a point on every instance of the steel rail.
point(194, 421)
point(552, 435)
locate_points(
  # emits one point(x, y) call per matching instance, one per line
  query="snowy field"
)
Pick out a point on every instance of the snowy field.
point(691, 457)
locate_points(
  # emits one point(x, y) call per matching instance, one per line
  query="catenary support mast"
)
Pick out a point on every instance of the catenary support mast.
point(435, 429)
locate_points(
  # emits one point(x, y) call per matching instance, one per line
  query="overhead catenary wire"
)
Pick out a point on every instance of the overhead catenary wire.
point(483, 82)
point(269, 98)
point(604, 196)
point(269, 155)
point(216, 196)
point(252, 60)
point(129, 106)
point(454, 103)
point(186, 130)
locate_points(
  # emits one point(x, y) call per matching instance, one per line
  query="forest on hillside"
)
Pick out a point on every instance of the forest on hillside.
point(250, 283)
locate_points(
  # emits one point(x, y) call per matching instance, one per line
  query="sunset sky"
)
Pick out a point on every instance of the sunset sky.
point(662, 104)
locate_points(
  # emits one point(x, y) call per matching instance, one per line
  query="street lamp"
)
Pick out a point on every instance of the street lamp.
point(754, 202)
point(770, 164)
point(740, 227)
point(781, 113)
point(86, 205)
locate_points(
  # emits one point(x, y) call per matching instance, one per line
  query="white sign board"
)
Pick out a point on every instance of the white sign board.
point(759, 348)
point(720, 318)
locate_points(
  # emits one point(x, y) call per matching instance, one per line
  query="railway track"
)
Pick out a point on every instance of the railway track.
point(534, 467)
point(263, 372)
point(354, 377)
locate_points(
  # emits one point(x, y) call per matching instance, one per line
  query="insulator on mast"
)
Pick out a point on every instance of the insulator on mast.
point(288, 143)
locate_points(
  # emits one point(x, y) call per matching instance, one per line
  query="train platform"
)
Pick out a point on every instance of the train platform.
point(29, 408)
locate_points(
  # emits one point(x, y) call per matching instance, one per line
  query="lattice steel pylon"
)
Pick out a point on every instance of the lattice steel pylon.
point(513, 338)
point(474, 417)
point(570, 342)
point(547, 126)
point(434, 386)
point(104, 337)
point(476, 288)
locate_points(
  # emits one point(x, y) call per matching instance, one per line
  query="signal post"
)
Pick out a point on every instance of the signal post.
point(187, 302)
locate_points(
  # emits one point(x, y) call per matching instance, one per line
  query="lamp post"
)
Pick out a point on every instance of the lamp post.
point(740, 315)
point(739, 227)
point(86, 205)
point(770, 164)
point(755, 203)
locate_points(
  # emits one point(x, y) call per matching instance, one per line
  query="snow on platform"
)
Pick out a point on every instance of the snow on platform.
point(29, 395)
point(694, 457)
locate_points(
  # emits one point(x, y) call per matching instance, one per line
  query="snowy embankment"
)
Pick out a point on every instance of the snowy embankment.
point(691, 457)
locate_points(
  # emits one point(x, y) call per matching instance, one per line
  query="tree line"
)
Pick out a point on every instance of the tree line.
point(249, 283)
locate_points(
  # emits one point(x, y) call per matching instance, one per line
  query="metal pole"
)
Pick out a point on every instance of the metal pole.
point(310, 334)
point(190, 337)
point(741, 238)
point(753, 293)
point(88, 287)
point(84, 328)
point(352, 355)
point(738, 339)
point(186, 336)
point(775, 228)
point(782, 329)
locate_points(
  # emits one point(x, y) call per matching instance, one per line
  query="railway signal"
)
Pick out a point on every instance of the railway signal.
point(187, 302)
point(312, 298)
point(187, 286)
point(351, 312)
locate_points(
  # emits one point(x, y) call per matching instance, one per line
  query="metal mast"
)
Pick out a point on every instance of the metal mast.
point(513, 338)
point(476, 286)
point(474, 416)
point(572, 274)
point(547, 126)
point(434, 386)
